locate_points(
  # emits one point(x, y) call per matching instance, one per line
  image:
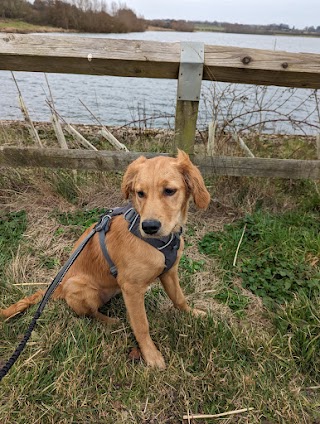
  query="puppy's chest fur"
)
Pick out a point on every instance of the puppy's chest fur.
point(134, 258)
point(134, 246)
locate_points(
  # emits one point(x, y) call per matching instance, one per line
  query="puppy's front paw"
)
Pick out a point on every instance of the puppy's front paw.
point(154, 359)
point(106, 320)
point(198, 312)
point(114, 321)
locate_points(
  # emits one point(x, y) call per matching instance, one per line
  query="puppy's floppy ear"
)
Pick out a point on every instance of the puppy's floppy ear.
point(193, 180)
point(127, 186)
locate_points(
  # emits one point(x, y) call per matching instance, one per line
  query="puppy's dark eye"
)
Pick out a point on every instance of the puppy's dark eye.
point(169, 191)
point(140, 194)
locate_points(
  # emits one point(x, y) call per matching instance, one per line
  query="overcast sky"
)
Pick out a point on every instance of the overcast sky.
point(299, 13)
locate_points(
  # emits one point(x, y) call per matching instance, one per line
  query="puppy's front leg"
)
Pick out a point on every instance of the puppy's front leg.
point(170, 282)
point(134, 299)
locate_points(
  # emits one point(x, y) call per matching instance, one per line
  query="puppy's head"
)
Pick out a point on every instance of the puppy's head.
point(160, 189)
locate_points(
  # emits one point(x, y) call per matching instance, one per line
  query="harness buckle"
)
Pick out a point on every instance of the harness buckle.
point(104, 223)
point(130, 215)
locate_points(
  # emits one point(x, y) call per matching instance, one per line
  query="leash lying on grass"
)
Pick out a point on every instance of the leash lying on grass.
point(56, 281)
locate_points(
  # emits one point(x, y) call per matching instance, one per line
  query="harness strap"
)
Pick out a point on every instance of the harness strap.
point(168, 246)
point(103, 226)
point(103, 246)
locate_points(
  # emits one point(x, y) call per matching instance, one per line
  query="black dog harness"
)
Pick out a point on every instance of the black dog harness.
point(167, 245)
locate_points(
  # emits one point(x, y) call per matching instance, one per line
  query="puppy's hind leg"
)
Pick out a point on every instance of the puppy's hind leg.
point(84, 299)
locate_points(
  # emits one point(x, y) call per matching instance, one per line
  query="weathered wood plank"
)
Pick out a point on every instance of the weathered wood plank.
point(185, 125)
point(118, 161)
point(83, 55)
point(262, 67)
point(150, 59)
point(259, 167)
point(69, 159)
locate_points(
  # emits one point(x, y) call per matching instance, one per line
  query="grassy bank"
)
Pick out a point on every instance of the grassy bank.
point(258, 347)
point(15, 133)
point(22, 27)
point(252, 30)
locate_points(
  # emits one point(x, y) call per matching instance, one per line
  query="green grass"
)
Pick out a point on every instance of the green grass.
point(82, 219)
point(12, 227)
point(241, 355)
point(234, 299)
point(21, 26)
point(279, 261)
point(298, 323)
point(275, 256)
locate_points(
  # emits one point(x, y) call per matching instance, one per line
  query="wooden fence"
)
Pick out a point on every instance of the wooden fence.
point(149, 59)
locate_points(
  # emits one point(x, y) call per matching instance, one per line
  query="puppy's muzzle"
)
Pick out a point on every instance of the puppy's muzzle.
point(151, 226)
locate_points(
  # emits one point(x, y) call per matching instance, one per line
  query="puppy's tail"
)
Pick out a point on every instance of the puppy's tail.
point(25, 303)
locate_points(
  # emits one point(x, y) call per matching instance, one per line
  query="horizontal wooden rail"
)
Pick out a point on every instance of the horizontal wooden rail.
point(118, 161)
point(150, 59)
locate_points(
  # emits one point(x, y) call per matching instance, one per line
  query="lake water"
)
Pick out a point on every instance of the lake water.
point(119, 101)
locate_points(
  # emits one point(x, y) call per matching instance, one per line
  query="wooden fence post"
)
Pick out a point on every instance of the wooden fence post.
point(188, 94)
point(318, 146)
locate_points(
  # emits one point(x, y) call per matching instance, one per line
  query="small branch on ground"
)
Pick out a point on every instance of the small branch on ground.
point(223, 414)
point(238, 247)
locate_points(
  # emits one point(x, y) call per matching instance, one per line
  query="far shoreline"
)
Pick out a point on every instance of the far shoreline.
point(25, 28)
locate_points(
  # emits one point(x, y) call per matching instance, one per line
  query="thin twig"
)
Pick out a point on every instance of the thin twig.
point(32, 130)
point(223, 414)
point(239, 244)
point(146, 405)
point(120, 329)
point(105, 132)
point(29, 284)
point(188, 417)
point(50, 92)
point(136, 121)
point(242, 144)
point(246, 109)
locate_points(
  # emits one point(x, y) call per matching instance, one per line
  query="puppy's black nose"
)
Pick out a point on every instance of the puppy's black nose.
point(151, 226)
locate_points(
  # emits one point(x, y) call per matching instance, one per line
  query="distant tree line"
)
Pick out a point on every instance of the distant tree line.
point(99, 16)
point(254, 29)
point(174, 25)
point(79, 15)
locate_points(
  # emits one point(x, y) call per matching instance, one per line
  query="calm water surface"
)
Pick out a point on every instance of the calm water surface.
point(119, 101)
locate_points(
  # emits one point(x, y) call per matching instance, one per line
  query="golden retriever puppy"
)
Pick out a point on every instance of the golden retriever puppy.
point(147, 245)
